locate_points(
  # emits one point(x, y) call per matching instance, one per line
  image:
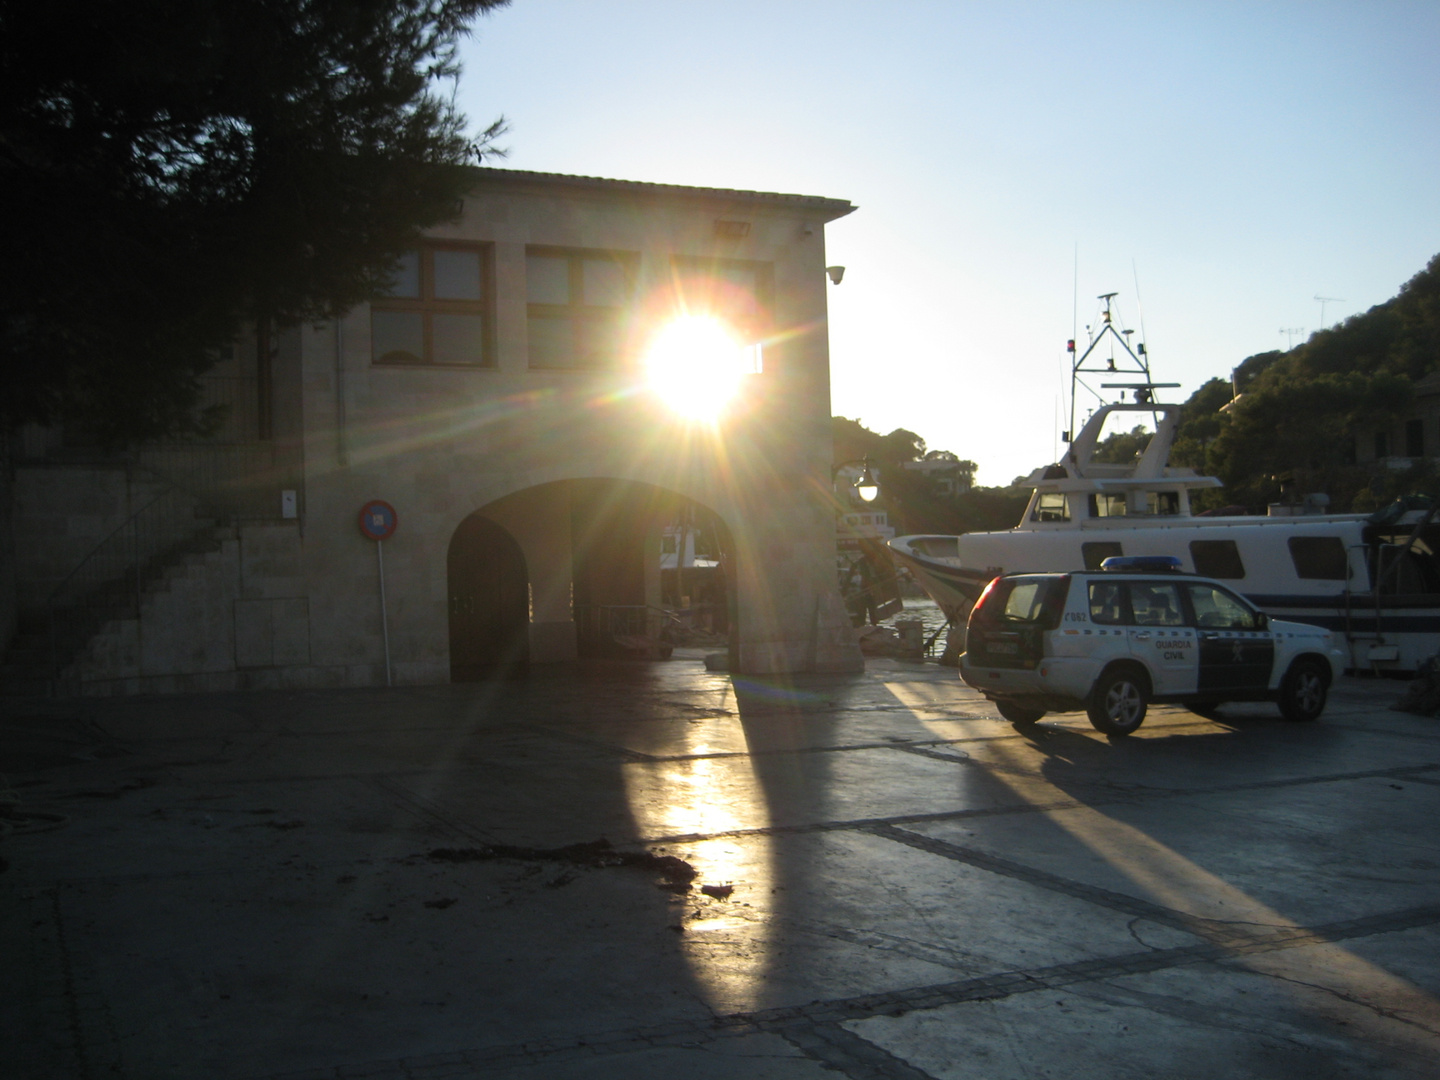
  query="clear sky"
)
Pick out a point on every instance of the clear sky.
point(1237, 159)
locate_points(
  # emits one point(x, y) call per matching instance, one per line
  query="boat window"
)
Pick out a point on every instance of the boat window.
point(1218, 610)
point(1217, 558)
point(1108, 603)
point(1098, 551)
point(1162, 502)
point(1107, 504)
point(1051, 506)
point(1156, 603)
point(1320, 558)
point(940, 547)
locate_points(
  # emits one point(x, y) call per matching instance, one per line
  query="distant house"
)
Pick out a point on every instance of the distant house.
point(1415, 435)
point(949, 475)
point(492, 411)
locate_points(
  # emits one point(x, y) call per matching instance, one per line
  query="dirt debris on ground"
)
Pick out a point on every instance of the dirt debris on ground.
point(676, 874)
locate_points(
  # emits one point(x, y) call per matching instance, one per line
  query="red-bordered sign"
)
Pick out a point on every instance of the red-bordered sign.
point(378, 519)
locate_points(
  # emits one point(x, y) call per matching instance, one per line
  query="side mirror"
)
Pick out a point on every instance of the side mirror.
point(1262, 621)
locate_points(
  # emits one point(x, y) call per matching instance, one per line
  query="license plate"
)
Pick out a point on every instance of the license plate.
point(1003, 648)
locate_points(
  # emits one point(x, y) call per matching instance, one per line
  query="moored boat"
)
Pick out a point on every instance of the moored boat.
point(1372, 580)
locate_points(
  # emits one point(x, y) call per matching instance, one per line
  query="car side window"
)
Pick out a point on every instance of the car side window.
point(1156, 603)
point(1107, 603)
point(1217, 610)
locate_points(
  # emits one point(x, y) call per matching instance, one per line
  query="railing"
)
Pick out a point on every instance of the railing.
point(237, 482)
point(230, 476)
point(110, 581)
point(233, 472)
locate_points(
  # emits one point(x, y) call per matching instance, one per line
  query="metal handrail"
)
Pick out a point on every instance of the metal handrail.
point(109, 582)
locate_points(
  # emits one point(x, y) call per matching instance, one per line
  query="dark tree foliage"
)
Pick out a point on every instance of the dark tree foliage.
point(1123, 447)
point(913, 499)
point(1298, 412)
point(171, 168)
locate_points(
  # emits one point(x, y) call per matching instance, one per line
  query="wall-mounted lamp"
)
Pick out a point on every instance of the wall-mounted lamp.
point(836, 273)
point(867, 487)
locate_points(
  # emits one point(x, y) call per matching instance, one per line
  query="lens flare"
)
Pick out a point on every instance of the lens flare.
point(695, 365)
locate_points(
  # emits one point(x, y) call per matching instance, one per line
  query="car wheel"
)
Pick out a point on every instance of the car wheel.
point(1303, 690)
point(1210, 710)
point(1018, 714)
point(1118, 701)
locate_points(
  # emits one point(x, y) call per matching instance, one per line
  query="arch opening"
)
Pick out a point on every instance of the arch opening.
point(589, 569)
point(488, 587)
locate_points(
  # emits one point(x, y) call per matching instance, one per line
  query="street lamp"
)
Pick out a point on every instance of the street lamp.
point(867, 487)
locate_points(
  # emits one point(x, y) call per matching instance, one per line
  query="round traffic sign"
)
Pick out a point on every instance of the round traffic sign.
point(378, 519)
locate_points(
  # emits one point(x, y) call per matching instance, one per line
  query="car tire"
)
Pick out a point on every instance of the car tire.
point(1304, 689)
point(1210, 710)
point(1118, 701)
point(1018, 714)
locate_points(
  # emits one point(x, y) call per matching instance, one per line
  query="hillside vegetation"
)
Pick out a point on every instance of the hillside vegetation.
point(1299, 412)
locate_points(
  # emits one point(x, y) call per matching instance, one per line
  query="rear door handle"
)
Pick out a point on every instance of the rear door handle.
point(1143, 635)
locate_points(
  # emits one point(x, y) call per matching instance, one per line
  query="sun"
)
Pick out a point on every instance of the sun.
point(695, 365)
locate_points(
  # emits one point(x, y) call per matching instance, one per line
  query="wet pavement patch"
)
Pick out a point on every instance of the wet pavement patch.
point(677, 874)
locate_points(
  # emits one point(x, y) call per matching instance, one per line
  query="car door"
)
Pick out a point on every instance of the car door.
point(1161, 637)
point(1236, 654)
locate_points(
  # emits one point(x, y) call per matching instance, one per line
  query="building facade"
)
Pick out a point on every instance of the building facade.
point(497, 401)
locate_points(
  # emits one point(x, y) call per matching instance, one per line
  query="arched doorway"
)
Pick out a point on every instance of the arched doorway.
point(489, 601)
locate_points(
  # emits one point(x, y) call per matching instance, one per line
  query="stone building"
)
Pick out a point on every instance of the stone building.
point(1413, 436)
point(496, 398)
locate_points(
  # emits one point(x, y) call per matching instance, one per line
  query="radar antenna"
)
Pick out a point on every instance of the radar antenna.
point(1119, 359)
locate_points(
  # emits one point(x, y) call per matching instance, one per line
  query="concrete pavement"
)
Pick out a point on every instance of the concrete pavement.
point(891, 882)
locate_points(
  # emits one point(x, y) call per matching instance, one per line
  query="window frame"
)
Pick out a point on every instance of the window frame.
point(1255, 623)
point(428, 305)
point(576, 313)
point(1125, 617)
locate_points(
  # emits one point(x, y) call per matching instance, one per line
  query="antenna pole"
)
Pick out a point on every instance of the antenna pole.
point(1074, 335)
point(1327, 300)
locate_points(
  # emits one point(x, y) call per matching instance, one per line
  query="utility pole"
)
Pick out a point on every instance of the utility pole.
point(1291, 332)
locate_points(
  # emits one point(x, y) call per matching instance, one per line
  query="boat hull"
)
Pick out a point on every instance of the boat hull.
point(1396, 635)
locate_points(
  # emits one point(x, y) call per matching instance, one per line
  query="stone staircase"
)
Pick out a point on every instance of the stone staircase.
point(183, 626)
point(103, 646)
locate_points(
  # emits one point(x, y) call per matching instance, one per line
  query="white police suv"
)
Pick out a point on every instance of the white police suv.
point(1136, 631)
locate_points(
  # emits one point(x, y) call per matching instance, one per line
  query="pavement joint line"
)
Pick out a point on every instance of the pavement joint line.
point(1120, 902)
point(855, 1057)
point(787, 1018)
point(596, 744)
point(1369, 730)
point(1112, 798)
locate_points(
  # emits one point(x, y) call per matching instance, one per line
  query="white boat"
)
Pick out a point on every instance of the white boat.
point(1372, 580)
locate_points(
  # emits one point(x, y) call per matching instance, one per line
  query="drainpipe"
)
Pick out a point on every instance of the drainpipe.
point(264, 377)
point(342, 449)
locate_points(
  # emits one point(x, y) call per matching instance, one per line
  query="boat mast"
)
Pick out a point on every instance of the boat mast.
point(1124, 361)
